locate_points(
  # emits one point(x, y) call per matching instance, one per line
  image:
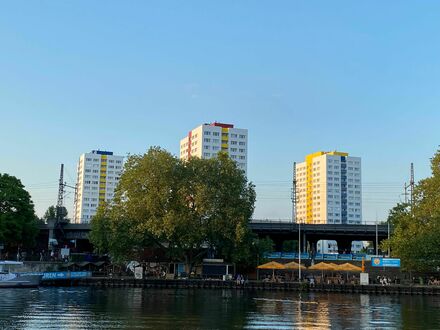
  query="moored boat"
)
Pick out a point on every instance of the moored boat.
point(10, 279)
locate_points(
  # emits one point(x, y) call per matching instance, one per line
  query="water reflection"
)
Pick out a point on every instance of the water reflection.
point(87, 308)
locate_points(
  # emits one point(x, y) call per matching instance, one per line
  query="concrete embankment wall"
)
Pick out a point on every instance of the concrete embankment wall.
point(252, 285)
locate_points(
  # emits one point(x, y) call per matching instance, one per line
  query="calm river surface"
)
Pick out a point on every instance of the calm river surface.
point(135, 308)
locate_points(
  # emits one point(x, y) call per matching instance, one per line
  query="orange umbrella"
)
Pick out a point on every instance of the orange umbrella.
point(294, 265)
point(272, 265)
point(349, 267)
point(323, 266)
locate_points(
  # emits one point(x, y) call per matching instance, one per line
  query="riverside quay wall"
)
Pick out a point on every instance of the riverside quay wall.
point(251, 286)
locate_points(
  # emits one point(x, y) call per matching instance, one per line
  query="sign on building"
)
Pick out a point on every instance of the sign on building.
point(364, 279)
point(385, 262)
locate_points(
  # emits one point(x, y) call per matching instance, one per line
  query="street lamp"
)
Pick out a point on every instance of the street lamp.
point(389, 251)
point(295, 218)
point(299, 251)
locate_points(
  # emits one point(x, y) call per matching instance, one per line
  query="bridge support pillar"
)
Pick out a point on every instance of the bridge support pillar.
point(313, 246)
point(303, 242)
point(344, 246)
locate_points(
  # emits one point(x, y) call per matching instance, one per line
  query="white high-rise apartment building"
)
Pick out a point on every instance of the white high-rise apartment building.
point(329, 191)
point(98, 175)
point(206, 140)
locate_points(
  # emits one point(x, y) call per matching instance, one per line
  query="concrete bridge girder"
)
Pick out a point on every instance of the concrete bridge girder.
point(280, 232)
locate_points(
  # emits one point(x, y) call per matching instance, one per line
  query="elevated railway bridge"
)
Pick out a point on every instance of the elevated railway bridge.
point(278, 230)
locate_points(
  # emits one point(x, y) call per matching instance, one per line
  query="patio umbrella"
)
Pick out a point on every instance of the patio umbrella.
point(335, 266)
point(347, 267)
point(272, 265)
point(323, 266)
point(294, 266)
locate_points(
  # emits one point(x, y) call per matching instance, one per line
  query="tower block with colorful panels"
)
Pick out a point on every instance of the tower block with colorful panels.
point(98, 175)
point(207, 140)
point(329, 189)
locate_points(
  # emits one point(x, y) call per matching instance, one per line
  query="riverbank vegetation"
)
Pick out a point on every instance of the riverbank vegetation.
point(416, 226)
point(18, 222)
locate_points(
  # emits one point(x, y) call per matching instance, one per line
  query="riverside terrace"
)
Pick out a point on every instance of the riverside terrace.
point(279, 231)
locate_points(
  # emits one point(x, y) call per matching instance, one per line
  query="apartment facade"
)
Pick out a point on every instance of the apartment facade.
point(329, 191)
point(98, 175)
point(207, 140)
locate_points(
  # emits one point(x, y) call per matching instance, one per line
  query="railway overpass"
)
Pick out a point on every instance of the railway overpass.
point(278, 230)
point(344, 235)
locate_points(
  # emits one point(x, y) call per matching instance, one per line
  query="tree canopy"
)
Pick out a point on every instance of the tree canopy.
point(51, 212)
point(18, 222)
point(416, 228)
point(187, 208)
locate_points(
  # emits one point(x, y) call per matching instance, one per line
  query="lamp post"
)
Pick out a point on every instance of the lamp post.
point(295, 218)
point(299, 251)
point(389, 251)
point(377, 239)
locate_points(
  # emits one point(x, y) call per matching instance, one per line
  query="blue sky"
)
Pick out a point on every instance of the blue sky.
point(302, 76)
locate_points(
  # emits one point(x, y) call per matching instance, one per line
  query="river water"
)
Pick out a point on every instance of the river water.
point(136, 308)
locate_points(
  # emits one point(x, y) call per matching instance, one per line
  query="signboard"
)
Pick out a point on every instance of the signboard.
point(288, 255)
point(139, 273)
point(80, 274)
point(364, 280)
point(385, 262)
point(329, 256)
point(274, 255)
point(345, 256)
point(60, 275)
point(65, 252)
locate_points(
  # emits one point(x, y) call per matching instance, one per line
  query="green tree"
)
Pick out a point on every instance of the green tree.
point(50, 213)
point(18, 222)
point(416, 228)
point(263, 246)
point(183, 207)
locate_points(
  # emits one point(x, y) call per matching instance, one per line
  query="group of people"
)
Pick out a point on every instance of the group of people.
point(433, 281)
point(270, 278)
point(241, 280)
point(383, 280)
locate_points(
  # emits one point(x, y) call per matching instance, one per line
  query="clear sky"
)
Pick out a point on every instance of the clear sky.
point(302, 76)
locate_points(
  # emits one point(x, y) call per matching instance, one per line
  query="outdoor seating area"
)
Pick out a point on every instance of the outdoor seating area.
point(325, 273)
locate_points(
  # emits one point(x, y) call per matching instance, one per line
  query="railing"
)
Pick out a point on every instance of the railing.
point(271, 221)
point(319, 256)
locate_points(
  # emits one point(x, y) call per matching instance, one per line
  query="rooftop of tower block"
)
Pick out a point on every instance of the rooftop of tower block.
point(223, 125)
point(101, 152)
